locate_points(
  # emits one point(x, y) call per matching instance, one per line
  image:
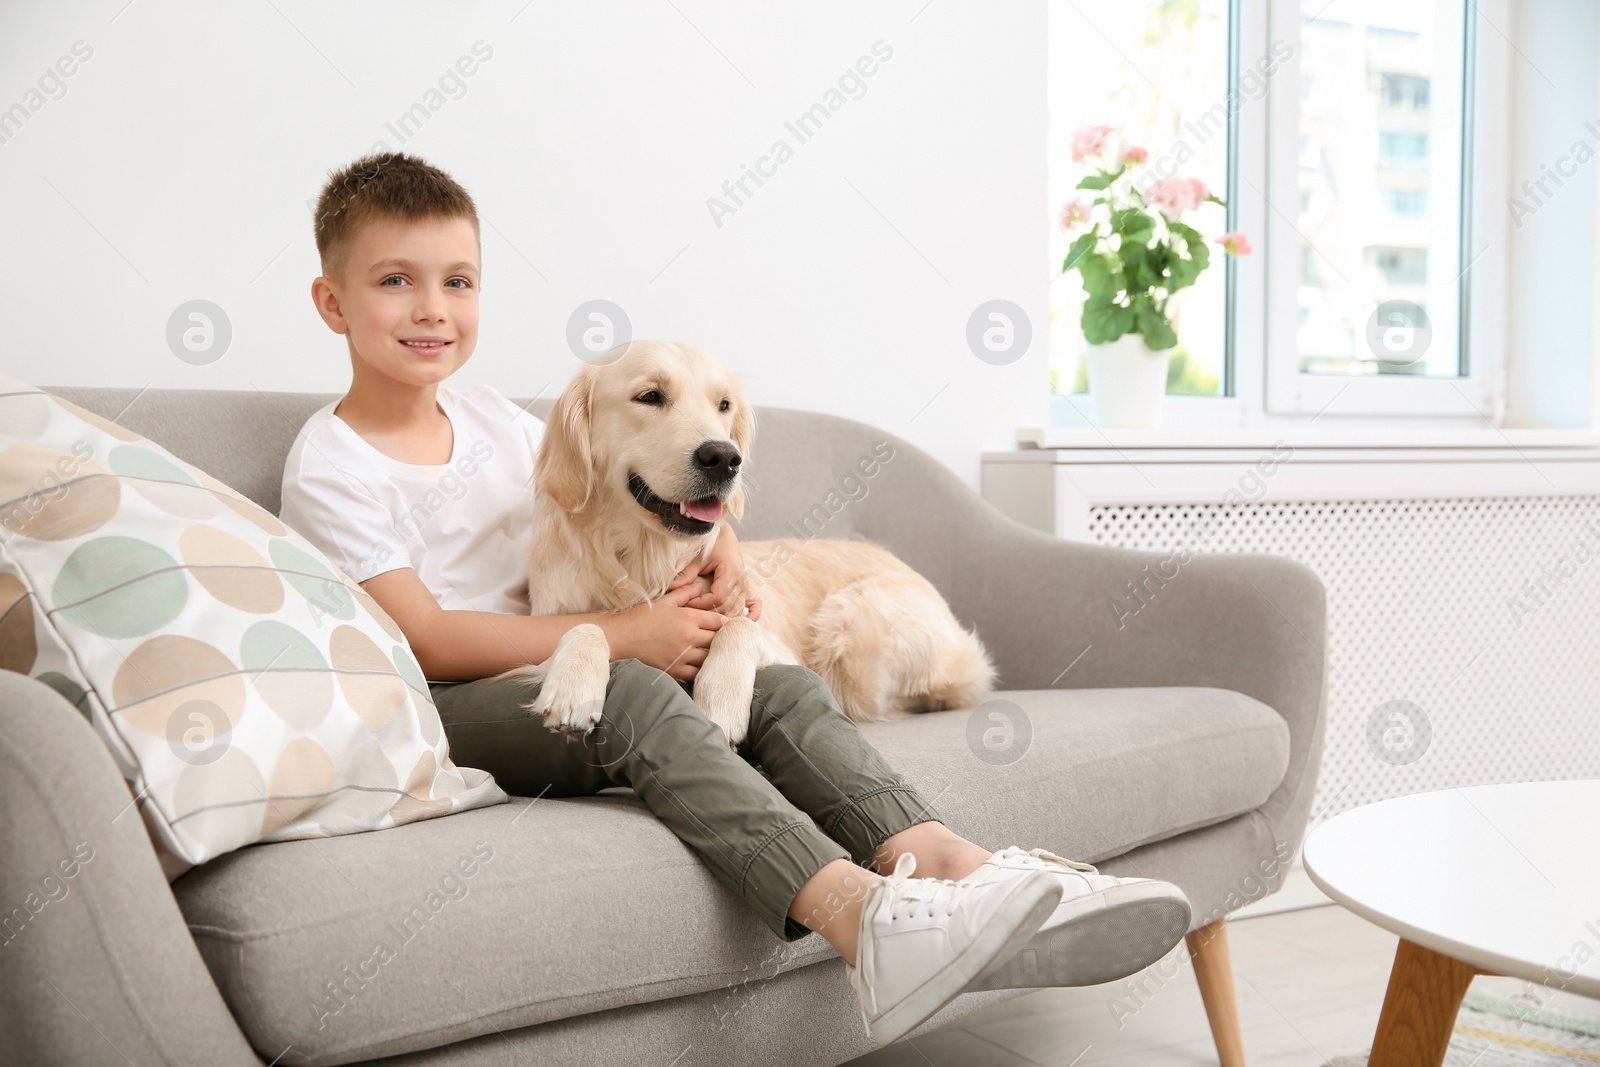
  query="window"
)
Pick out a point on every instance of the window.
point(1403, 90)
point(1405, 203)
point(1157, 72)
point(1399, 266)
point(1310, 152)
point(1370, 192)
point(1382, 243)
point(1396, 147)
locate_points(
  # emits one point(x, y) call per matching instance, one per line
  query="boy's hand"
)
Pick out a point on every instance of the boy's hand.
point(665, 633)
point(730, 592)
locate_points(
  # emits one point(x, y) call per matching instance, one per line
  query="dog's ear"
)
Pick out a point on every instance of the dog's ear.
point(743, 432)
point(565, 468)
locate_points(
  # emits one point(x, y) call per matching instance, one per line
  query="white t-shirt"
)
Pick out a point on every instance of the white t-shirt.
point(463, 526)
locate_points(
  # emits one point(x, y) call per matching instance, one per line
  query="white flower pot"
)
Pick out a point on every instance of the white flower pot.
point(1128, 382)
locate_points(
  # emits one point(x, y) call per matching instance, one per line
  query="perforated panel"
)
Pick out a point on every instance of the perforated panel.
point(1481, 615)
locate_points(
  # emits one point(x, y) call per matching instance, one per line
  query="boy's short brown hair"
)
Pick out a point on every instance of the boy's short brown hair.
point(389, 185)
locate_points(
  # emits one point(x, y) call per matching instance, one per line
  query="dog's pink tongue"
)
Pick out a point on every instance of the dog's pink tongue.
point(707, 510)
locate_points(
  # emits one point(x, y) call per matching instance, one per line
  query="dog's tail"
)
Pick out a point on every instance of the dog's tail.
point(965, 674)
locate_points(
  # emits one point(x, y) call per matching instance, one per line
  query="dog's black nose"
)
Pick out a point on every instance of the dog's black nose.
point(719, 460)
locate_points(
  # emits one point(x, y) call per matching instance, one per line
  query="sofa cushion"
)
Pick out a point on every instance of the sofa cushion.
point(247, 689)
point(345, 949)
point(1091, 773)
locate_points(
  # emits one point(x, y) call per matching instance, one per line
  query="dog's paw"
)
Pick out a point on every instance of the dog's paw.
point(725, 703)
point(570, 714)
point(574, 689)
point(725, 684)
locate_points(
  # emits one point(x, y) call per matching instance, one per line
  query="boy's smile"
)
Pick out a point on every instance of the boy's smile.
point(407, 300)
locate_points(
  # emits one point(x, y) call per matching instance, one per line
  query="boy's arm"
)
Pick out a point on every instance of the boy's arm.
point(730, 592)
point(463, 646)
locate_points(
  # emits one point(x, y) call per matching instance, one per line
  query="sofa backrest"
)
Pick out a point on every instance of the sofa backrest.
point(809, 475)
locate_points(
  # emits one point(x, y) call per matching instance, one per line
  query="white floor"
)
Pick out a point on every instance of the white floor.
point(1310, 985)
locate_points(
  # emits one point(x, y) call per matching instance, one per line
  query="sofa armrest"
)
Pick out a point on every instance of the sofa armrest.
point(1063, 614)
point(98, 965)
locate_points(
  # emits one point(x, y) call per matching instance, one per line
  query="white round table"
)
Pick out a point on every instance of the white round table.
point(1495, 879)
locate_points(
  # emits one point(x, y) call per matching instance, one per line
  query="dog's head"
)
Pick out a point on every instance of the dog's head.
point(654, 428)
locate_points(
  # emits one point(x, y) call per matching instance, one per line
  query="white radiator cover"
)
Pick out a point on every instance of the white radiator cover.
point(1463, 590)
point(1437, 603)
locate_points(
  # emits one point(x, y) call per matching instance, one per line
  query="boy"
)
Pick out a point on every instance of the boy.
point(418, 490)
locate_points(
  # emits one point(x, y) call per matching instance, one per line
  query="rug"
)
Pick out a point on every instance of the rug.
point(1507, 1022)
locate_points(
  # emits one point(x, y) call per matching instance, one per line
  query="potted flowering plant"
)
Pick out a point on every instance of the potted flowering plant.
point(1134, 254)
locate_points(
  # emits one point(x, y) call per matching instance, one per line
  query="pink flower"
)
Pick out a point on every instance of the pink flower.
point(1134, 154)
point(1088, 142)
point(1236, 244)
point(1074, 215)
point(1174, 196)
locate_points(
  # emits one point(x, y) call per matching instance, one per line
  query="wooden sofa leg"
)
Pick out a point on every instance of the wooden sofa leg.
point(1213, 969)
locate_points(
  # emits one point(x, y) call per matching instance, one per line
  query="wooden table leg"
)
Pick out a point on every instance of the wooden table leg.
point(1419, 1008)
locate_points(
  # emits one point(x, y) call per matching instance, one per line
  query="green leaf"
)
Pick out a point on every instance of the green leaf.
point(1189, 234)
point(1100, 275)
point(1155, 328)
point(1200, 256)
point(1143, 268)
point(1134, 224)
point(1160, 259)
point(1080, 248)
point(1132, 255)
point(1104, 320)
point(1181, 273)
point(1186, 270)
point(1094, 181)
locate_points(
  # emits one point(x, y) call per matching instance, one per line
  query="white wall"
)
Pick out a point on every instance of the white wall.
point(179, 162)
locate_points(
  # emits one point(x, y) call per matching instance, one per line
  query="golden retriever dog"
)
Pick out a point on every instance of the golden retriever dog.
point(643, 455)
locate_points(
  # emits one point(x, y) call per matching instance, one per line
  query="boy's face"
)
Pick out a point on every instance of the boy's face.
point(403, 285)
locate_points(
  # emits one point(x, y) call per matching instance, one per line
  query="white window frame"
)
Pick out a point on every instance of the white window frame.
point(1268, 159)
point(1265, 388)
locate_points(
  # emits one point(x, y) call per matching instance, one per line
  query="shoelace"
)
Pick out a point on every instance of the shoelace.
point(925, 895)
point(906, 896)
point(1041, 858)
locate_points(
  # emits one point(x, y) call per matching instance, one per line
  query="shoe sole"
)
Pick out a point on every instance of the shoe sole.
point(1013, 924)
point(1107, 935)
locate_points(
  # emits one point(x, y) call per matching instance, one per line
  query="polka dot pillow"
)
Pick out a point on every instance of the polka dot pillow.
point(248, 690)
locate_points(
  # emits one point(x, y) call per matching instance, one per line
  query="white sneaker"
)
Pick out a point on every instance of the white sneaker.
point(1103, 929)
point(923, 940)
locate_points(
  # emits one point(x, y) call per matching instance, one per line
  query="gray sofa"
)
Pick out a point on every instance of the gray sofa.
point(1181, 743)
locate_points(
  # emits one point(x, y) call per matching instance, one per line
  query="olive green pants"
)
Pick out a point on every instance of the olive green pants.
point(804, 788)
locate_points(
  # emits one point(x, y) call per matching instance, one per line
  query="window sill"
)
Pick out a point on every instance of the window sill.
point(1222, 422)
